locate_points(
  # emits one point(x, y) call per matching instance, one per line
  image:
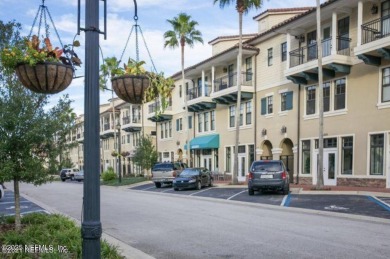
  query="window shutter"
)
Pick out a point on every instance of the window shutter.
point(263, 106)
point(289, 100)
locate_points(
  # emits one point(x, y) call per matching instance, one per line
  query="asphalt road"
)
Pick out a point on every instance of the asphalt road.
point(166, 225)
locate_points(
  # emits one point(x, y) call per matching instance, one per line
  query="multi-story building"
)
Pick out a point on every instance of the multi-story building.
point(279, 113)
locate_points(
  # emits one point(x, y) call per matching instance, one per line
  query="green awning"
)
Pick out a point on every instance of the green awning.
point(204, 142)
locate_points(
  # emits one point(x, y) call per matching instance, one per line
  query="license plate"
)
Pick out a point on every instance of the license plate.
point(268, 176)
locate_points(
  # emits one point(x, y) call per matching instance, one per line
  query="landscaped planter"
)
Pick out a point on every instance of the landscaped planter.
point(47, 77)
point(130, 88)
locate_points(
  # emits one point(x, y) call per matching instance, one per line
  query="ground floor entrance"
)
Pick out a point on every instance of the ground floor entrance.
point(329, 167)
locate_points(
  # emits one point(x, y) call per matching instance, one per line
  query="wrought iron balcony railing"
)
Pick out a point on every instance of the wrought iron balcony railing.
point(308, 53)
point(196, 92)
point(376, 29)
point(230, 80)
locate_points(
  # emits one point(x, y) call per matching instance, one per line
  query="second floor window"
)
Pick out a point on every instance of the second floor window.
point(179, 124)
point(212, 124)
point(339, 94)
point(267, 105)
point(310, 100)
point(326, 95)
point(283, 49)
point(232, 114)
point(206, 121)
point(286, 101)
point(270, 57)
point(248, 64)
point(200, 122)
point(248, 113)
point(386, 84)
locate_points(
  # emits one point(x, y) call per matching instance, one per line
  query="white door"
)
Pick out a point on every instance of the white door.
point(329, 167)
point(207, 162)
point(241, 168)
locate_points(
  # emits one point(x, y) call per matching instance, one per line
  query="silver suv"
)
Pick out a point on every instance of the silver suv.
point(164, 173)
point(268, 175)
point(68, 173)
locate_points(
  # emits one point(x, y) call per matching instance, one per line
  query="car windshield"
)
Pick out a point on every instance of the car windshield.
point(267, 166)
point(162, 167)
point(189, 172)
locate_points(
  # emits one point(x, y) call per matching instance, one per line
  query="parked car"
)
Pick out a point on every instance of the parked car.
point(68, 173)
point(164, 173)
point(79, 176)
point(193, 178)
point(268, 175)
point(1, 191)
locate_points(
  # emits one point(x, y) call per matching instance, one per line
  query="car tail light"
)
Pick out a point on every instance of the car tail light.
point(250, 176)
point(284, 175)
point(174, 174)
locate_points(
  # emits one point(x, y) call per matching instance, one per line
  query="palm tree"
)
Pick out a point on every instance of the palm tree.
point(242, 6)
point(183, 32)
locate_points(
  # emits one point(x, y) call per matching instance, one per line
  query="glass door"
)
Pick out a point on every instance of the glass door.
point(311, 45)
point(385, 16)
point(241, 168)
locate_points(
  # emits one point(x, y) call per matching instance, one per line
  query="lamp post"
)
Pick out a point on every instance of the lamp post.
point(118, 127)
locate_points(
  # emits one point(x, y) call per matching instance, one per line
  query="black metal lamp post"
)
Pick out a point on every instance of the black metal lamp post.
point(118, 126)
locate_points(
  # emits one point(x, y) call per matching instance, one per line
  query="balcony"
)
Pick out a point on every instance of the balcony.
point(132, 124)
point(155, 115)
point(80, 137)
point(197, 102)
point(107, 131)
point(226, 88)
point(375, 41)
point(304, 61)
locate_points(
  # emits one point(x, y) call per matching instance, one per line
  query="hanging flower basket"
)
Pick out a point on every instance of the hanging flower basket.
point(46, 77)
point(130, 88)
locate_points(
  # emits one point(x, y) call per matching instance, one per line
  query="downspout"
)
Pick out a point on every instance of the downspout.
point(298, 131)
point(188, 145)
point(255, 104)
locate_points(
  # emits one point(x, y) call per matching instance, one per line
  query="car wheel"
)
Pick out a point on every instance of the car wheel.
point(286, 190)
point(199, 185)
point(79, 180)
point(176, 189)
point(158, 185)
point(211, 183)
point(72, 177)
point(63, 179)
point(251, 192)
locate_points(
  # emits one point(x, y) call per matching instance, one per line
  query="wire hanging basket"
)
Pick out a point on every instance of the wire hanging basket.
point(53, 70)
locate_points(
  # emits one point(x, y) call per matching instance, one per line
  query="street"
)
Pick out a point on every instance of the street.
point(166, 225)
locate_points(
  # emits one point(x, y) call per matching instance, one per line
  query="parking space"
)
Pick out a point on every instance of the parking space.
point(7, 205)
point(350, 204)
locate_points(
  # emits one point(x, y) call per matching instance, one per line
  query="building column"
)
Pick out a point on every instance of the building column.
point(276, 153)
point(334, 34)
point(212, 78)
point(359, 23)
point(203, 93)
point(288, 43)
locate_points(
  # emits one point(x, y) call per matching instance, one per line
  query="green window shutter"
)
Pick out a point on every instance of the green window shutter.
point(177, 124)
point(263, 106)
point(289, 100)
point(190, 122)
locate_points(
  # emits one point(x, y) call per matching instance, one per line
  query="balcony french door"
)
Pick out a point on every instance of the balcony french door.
point(385, 15)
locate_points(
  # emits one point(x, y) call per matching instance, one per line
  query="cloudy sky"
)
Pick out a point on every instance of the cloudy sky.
point(152, 18)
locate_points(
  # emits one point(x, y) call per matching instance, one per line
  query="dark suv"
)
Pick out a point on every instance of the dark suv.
point(268, 175)
point(164, 173)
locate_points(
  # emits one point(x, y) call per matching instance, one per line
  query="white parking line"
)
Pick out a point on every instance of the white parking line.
point(284, 200)
point(231, 197)
point(8, 202)
point(167, 190)
point(199, 191)
point(148, 188)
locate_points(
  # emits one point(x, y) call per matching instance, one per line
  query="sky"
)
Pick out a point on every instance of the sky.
point(152, 19)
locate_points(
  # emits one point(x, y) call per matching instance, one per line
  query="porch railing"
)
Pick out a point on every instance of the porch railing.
point(308, 53)
point(197, 92)
point(230, 80)
point(156, 106)
point(376, 29)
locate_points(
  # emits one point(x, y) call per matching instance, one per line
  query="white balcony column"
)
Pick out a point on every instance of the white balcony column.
point(334, 34)
point(212, 78)
point(359, 23)
point(288, 43)
point(203, 93)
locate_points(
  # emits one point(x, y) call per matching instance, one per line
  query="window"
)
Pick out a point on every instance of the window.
point(228, 159)
point(212, 126)
point(270, 57)
point(310, 100)
point(190, 122)
point(200, 122)
point(232, 113)
point(186, 89)
point(306, 157)
point(286, 101)
point(267, 105)
point(248, 115)
point(386, 84)
point(170, 128)
point(128, 138)
point(347, 155)
point(162, 130)
point(248, 64)
point(180, 91)
point(376, 154)
point(326, 96)
point(283, 49)
point(166, 129)
point(179, 124)
point(206, 121)
point(339, 94)
point(328, 143)
point(241, 114)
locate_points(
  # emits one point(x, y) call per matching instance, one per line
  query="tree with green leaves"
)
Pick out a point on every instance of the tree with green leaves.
point(183, 32)
point(145, 155)
point(242, 6)
point(31, 135)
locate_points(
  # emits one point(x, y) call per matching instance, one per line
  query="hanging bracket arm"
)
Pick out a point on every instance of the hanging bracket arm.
point(92, 28)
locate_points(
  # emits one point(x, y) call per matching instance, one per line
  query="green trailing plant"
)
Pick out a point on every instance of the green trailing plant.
point(30, 51)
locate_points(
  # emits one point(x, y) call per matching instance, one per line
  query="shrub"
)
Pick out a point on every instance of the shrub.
point(109, 175)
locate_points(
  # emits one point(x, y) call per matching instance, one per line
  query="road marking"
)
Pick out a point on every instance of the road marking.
point(28, 212)
point(8, 202)
point(167, 190)
point(231, 197)
point(379, 202)
point(335, 207)
point(148, 188)
point(199, 192)
point(286, 200)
